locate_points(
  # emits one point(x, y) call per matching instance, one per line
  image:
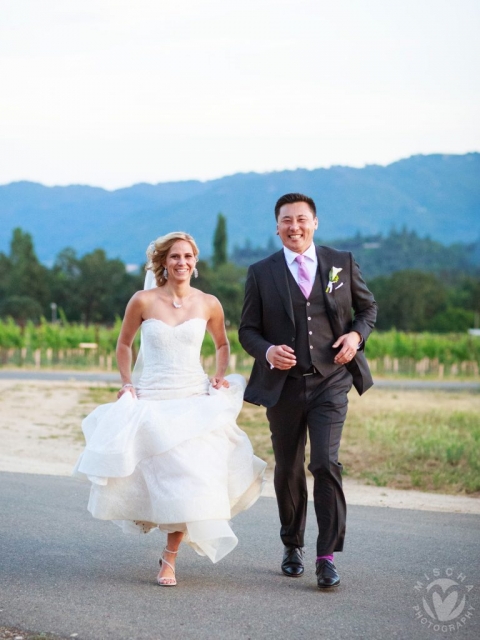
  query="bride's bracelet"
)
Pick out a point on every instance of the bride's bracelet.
point(128, 384)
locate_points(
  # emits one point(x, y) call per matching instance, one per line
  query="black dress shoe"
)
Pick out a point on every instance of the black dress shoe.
point(327, 575)
point(292, 563)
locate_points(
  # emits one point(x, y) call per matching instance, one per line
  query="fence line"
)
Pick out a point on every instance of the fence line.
point(88, 357)
point(425, 366)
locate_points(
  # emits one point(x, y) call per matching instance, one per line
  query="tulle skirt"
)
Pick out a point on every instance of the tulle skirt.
point(175, 464)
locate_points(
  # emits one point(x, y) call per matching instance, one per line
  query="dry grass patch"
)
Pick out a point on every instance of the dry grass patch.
point(427, 440)
point(40, 425)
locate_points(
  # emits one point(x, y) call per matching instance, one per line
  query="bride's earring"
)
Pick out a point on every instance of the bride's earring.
point(165, 273)
point(195, 273)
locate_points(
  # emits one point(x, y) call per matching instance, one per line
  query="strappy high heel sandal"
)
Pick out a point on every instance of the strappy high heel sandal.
point(167, 582)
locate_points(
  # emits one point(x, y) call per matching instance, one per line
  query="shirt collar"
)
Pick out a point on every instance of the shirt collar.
point(310, 253)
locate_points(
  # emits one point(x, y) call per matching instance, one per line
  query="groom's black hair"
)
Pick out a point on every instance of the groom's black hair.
point(291, 198)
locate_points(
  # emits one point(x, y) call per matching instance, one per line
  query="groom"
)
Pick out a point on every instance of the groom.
point(297, 322)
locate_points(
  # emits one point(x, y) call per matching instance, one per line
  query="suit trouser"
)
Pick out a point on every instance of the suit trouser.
point(318, 405)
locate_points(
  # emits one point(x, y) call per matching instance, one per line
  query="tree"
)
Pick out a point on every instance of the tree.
point(64, 277)
point(103, 287)
point(227, 283)
point(5, 269)
point(408, 300)
point(452, 319)
point(24, 276)
point(220, 242)
point(21, 309)
point(205, 275)
point(92, 288)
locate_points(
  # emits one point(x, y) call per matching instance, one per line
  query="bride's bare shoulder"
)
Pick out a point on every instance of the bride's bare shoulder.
point(205, 298)
point(142, 298)
point(145, 294)
point(211, 304)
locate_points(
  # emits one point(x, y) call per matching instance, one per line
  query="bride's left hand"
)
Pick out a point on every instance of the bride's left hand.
point(124, 390)
point(219, 381)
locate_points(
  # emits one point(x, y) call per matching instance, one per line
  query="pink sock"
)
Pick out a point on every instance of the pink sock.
point(325, 558)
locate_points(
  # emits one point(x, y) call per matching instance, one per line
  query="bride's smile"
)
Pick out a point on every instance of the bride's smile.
point(181, 260)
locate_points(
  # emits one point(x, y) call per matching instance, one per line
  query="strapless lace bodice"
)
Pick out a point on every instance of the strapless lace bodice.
point(171, 359)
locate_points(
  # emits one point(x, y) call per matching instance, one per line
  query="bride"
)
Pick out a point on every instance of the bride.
point(168, 453)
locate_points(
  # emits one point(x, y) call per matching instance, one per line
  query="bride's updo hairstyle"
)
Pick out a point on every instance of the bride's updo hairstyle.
point(158, 250)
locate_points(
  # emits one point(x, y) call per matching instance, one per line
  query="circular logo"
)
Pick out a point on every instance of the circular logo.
point(444, 600)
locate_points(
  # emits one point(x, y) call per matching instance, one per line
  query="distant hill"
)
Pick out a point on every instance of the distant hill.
point(383, 255)
point(434, 195)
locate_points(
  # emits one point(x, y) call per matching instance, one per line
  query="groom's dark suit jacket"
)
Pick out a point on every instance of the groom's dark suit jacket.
point(268, 318)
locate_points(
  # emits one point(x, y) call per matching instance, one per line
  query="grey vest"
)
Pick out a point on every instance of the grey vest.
point(313, 333)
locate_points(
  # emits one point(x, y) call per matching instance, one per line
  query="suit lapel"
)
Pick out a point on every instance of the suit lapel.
point(330, 303)
point(279, 273)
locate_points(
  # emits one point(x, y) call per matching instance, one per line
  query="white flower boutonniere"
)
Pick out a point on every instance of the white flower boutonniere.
point(333, 278)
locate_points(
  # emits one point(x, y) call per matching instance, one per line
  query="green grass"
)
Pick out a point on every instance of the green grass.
point(422, 440)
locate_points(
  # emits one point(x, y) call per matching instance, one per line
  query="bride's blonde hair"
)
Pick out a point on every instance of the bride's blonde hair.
point(157, 252)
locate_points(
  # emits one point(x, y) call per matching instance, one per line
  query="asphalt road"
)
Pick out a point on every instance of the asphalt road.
point(92, 376)
point(64, 572)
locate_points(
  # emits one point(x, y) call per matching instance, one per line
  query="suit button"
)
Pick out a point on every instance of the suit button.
point(293, 339)
point(311, 347)
point(308, 304)
point(309, 318)
point(310, 332)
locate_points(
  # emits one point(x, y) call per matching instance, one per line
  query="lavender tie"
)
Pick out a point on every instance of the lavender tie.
point(304, 281)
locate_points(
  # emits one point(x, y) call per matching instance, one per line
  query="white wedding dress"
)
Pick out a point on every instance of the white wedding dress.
point(173, 458)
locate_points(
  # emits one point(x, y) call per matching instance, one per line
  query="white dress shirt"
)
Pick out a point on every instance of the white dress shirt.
point(311, 263)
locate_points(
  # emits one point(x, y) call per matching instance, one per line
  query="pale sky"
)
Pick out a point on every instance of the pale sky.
point(115, 92)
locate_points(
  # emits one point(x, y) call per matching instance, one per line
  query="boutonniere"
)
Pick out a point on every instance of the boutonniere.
point(332, 279)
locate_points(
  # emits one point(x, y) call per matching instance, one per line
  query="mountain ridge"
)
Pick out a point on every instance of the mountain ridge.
point(436, 195)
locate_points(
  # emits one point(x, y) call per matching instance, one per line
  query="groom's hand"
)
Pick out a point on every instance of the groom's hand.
point(281, 356)
point(349, 344)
